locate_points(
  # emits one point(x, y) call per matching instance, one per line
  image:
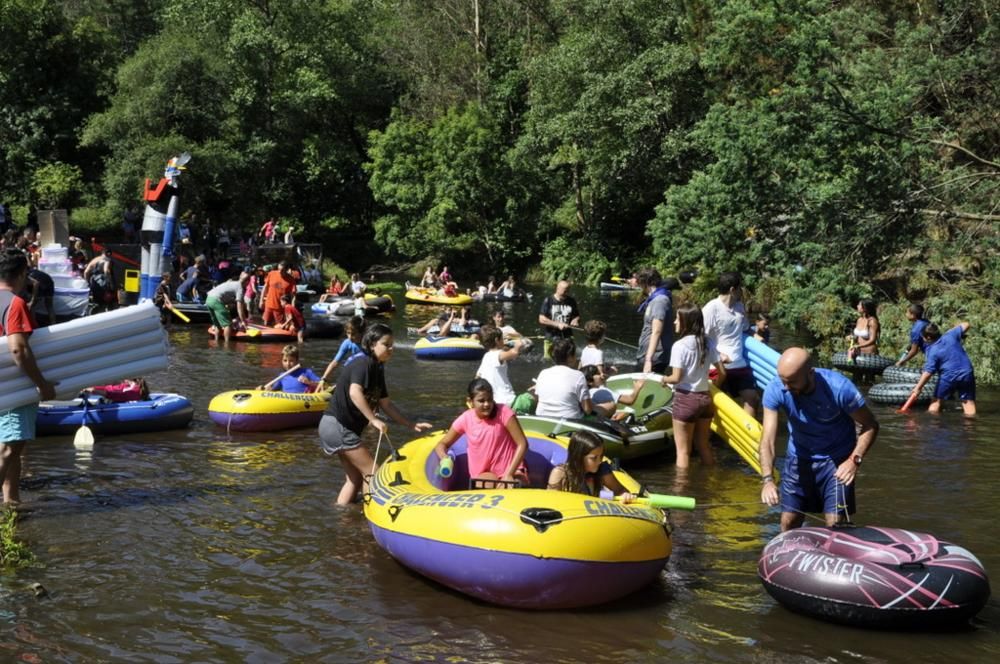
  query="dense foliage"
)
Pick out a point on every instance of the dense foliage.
point(825, 150)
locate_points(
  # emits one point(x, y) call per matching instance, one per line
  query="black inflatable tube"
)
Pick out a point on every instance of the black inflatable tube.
point(909, 375)
point(873, 364)
point(891, 394)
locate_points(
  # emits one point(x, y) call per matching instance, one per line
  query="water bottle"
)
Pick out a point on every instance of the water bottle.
point(446, 467)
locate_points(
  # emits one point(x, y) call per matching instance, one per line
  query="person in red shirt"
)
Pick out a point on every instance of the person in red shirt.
point(277, 283)
point(293, 318)
point(17, 425)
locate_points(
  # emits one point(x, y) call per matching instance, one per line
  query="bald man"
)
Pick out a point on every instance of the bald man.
point(558, 316)
point(830, 429)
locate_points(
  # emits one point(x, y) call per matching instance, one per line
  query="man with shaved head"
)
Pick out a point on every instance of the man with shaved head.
point(558, 316)
point(830, 429)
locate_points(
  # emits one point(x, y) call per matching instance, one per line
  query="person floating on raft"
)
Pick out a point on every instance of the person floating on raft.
point(130, 389)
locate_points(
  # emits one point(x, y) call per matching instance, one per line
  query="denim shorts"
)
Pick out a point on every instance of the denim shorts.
point(18, 424)
point(335, 437)
point(809, 485)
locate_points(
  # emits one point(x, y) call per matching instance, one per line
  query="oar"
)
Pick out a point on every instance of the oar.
point(180, 314)
point(664, 502)
point(84, 437)
point(268, 386)
point(909, 402)
point(614, 341)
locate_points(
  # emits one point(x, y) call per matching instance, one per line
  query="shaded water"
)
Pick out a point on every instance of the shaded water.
point(196, 546)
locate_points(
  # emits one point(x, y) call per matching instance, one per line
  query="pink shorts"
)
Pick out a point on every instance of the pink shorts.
point(691, 406)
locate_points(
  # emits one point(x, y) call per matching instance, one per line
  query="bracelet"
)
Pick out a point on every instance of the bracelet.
point(767, 478)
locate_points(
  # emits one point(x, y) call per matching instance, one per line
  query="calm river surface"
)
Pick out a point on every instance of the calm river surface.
point(194, 546)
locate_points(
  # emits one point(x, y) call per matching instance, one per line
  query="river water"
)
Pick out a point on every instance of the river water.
point(196, 546)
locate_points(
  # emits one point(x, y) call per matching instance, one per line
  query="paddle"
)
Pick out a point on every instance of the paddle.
point(181, 315)
point(83, 439)
point(664, 502)
point(909, 402)
point(614, 341)
point(268, 386)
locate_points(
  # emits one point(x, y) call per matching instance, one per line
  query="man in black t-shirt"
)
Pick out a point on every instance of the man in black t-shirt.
point(558, 315)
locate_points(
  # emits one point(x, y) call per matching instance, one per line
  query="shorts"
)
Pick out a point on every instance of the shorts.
point(688, 406)
point(965, 386)
point(738, 380)
point(18, 424)
point(219, 313)
point(809, 485)
point(334, 437)
point(270, 315)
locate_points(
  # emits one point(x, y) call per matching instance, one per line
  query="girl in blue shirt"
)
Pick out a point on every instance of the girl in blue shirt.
point(349, 348)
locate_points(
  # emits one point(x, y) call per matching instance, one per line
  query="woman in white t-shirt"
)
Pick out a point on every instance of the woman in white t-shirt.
point(726, 325)
point(562, 389)
point(691, 356)
point(493, 367)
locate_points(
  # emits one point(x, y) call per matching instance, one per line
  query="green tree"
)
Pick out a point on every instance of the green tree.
point(53, 74)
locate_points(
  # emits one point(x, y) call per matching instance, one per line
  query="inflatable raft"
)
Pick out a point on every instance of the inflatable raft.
point(433, 296)
point(264, 410)
point(344, 306)
point(526, 548)
point(763, 361)
point(874, 577)
point(620, 441)
point(93, 350)
point(159, 413)
point(324, 327)
point(263, 334)
point(652, 408)
point(870, 364)
point(736, 427)
point(518, 296)
point(196, 313)
point(448, 348)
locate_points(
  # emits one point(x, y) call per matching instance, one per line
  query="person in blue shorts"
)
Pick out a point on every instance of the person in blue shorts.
point(945, 355)
point(825, 443)
point(915, 314)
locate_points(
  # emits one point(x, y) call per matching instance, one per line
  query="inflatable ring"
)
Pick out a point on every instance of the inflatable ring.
point(896, 394)
point(874, 577)
point(909, 375)
point(874, 364)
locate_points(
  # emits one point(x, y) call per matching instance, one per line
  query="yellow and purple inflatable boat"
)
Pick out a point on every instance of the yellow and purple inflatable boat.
point(528, 548)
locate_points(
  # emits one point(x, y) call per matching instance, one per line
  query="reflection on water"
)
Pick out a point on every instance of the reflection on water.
point(196, 545)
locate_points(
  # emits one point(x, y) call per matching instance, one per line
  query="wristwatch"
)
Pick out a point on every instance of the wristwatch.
point(857, 459)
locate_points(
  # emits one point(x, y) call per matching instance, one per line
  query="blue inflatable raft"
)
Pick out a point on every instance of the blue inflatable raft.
point(158, 413)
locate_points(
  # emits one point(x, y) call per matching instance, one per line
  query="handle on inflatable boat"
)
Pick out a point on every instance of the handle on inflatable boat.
point(446, 467)
point(665, 502)
point(180, 314)
point(268, 386)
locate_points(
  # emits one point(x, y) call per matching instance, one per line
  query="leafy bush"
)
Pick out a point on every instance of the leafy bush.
point(568, 258)
point(57, 185)
point(90, 221)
